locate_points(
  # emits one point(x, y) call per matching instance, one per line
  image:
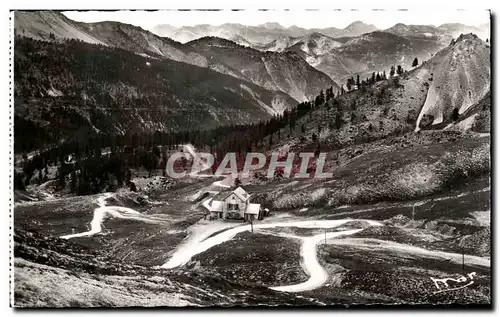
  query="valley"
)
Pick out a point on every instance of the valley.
point(398, 118)
point(169, 234)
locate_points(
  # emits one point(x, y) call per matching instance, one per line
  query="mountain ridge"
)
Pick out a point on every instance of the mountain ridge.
point(461, 78)
point(298, 84)
point(259, 34)
point(83, 88)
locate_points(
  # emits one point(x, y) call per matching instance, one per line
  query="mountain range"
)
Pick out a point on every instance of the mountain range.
point(155, 82)
point(260, 34)
point(274, 71)
point(449, 91)
point(344, 57)
point(358, 49)
point(75, 88)
point(400, 170)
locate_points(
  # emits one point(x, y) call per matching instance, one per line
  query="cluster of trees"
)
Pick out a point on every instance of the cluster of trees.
point(90, 170)
point(376, 76)
point(393, 71)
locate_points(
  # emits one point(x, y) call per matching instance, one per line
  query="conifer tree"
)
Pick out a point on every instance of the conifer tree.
point(454, 114)
point(400, 70)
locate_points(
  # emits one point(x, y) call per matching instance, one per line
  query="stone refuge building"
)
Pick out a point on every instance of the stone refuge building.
point(233, 205)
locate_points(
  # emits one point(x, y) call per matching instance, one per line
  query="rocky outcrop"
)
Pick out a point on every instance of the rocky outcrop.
point(460, 77)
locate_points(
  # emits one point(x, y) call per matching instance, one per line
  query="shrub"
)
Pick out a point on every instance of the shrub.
point(482, 122)
point(381, 96)
point(419, 179)
point(457, 168)
point(294, 200)
point(395, 82)
point(385, 111)
point(412, 181)
point(426, 121)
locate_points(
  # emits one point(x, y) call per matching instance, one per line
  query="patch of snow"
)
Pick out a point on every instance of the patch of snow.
point(318, 193)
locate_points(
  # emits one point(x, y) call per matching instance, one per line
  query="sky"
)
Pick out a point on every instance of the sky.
point(302, 18)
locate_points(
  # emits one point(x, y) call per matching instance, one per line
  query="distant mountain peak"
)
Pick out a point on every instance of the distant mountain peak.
point(358, 24)
point(355, 23)
point(272, 26)
point(445, 25)
point(458, 82)
point(356, 28)
point(399, 27)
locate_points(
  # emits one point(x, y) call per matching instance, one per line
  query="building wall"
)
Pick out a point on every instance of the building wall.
point(234, 199)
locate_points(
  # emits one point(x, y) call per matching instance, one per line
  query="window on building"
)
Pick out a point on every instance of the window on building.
point(233, 206)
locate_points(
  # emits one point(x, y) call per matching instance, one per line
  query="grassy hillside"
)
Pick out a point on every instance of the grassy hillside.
point(51, 272)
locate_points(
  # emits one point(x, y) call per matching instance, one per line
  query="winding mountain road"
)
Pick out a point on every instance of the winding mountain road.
point(212, 236)
point(317, 275)
point(200, 243)
point(100, 213)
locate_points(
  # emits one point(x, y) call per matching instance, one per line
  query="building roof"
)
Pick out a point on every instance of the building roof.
point(253, 209)
point(206, 204)
point(240, 192)
point(213, 205)
point(216, 205)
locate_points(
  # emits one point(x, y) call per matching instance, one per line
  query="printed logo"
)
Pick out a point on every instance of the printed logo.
point(443, 286)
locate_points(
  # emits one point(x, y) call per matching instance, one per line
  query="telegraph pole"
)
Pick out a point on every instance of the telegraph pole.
point(325, 236)
point(251, 222)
